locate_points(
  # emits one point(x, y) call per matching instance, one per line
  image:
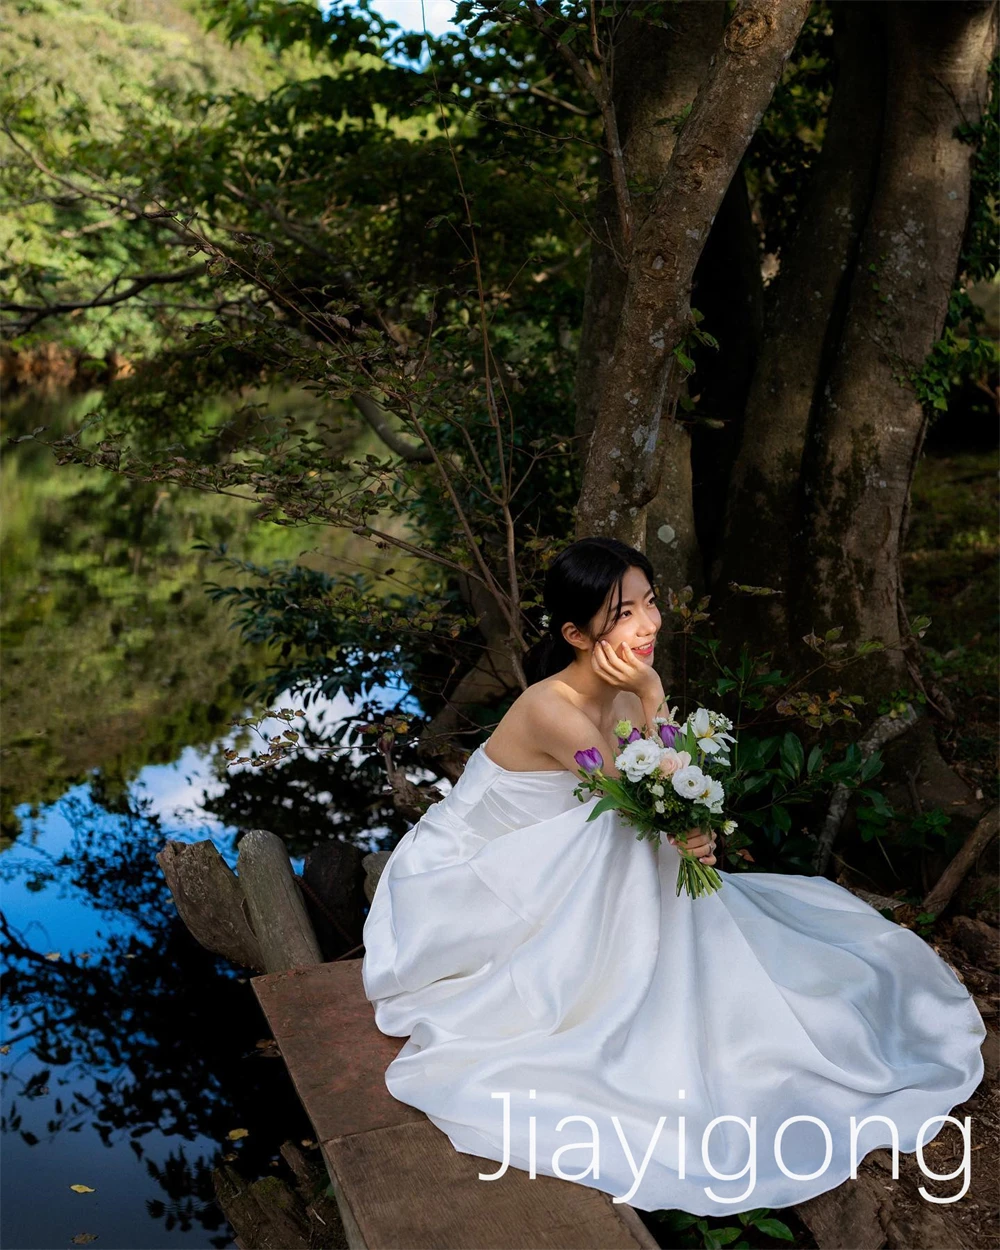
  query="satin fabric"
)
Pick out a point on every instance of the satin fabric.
point(523, 950)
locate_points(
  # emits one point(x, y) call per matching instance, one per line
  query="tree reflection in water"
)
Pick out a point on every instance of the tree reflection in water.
point(144, 1032)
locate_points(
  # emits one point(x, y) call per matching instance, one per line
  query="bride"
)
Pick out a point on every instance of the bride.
point(567, 1013)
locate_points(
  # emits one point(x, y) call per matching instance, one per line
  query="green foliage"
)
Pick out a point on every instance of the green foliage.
point(113, 656)
point(711, 1233)
point(78, 74)
point(967, 348)
point(377, 227)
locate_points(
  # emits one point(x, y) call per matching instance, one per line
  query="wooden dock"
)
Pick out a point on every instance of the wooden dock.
point(398, 1181)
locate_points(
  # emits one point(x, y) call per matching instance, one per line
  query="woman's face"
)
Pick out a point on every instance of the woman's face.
point(639, 621)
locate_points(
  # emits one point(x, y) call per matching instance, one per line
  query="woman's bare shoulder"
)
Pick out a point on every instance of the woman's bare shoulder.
point(546, 708)
point(540, 702)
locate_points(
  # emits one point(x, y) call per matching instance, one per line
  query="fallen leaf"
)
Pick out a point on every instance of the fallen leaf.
point(83, 1239)
point(82, 1189)
point(229, 1158)
point(52, 956)
point(4, 1050)
point(307, 1142)
point(235, 1134)
point(265, 1043)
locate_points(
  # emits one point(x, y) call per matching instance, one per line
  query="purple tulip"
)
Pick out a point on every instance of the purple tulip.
point(669, 734)
point(631, 738)
point(590, 760)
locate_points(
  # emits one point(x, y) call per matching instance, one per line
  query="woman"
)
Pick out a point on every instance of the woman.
point(569, 1014)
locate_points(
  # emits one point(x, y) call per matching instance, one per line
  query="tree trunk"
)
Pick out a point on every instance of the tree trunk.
point(729, 290)
point(640, 382)
point(804, 308)
point(657, 74)
point(869, 427)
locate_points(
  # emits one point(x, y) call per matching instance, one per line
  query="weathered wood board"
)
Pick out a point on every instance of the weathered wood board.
point(399, 1182)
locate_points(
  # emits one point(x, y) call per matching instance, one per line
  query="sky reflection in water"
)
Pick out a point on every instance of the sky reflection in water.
point(132, 1050)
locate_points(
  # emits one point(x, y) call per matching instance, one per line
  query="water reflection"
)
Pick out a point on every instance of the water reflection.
point(121, 1029)
point(129, 1051)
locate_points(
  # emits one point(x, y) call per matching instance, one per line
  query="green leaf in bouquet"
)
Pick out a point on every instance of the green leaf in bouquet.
point(606, 804)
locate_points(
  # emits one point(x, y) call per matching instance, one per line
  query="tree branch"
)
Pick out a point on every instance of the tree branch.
point(38, 312)
point(379, 422)
point(599, 88)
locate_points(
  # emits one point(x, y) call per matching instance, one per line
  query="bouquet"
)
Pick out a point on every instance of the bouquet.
point(667, 785)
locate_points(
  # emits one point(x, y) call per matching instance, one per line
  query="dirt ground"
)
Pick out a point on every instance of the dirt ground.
point(879, 1213)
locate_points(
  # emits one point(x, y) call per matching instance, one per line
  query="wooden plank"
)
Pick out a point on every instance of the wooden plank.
point(407, 1187)
point(334, 1051)
point(399, 1182)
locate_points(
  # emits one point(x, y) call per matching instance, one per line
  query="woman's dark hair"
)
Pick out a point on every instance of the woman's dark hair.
point(576, 585)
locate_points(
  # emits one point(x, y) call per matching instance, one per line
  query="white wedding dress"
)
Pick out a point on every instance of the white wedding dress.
point(527, 952)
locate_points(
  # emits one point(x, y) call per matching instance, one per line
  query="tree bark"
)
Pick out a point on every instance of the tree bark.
point(804, 308)
point(657, 74)
point(729, 290)
point(625, 454)
point(869, 428)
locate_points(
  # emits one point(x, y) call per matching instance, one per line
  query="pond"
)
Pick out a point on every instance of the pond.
point(132, 1059)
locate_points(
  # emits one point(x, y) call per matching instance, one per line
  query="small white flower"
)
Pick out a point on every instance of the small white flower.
point(545, 620)
point(657, 789)
point(639, 758)
point(729, 826)
point(659, 806)
point(689, 782)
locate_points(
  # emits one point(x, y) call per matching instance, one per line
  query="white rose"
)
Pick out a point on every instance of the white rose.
point(689, 782)
point(638, 759)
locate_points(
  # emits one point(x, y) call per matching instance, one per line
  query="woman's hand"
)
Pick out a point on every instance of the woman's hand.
point(621, 669)
point(699, 844)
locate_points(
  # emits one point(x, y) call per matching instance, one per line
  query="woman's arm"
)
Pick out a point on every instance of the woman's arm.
point(654, 704)
point(563, 729)
point(642, 683)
